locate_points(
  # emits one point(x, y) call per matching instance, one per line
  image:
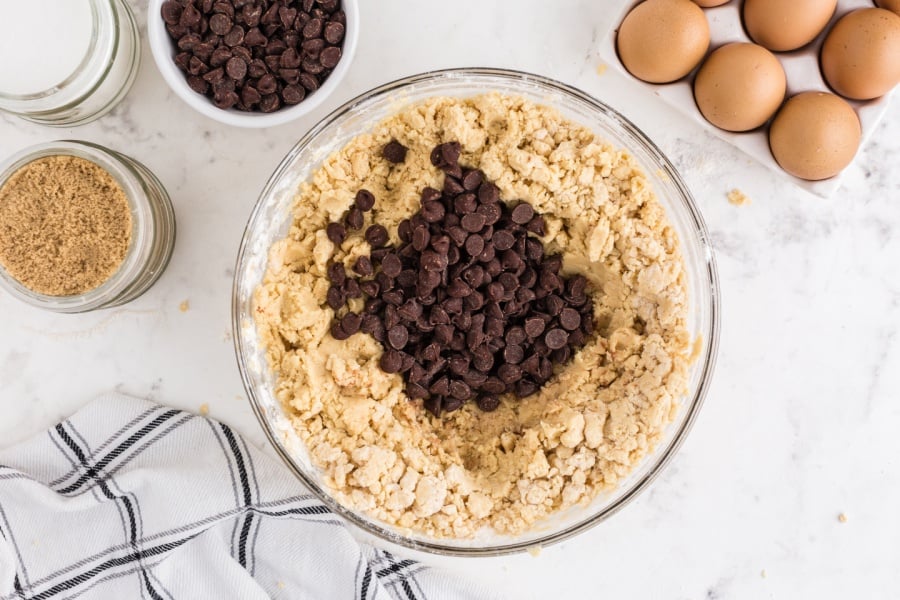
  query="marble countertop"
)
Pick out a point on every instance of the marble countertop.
point(799, 428)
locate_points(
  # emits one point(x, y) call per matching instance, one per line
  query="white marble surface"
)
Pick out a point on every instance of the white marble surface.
point(801, 422)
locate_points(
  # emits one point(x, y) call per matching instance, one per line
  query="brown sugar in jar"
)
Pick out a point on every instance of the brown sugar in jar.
point(82, 227)
point(65, 225)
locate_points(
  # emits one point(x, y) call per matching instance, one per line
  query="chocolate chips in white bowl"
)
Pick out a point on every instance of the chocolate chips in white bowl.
point(468, 306)
point(255, 55)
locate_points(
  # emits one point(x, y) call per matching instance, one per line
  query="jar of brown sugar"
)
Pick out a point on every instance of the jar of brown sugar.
point(82, 227)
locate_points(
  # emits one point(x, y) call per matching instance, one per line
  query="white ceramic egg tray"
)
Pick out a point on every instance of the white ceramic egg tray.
point(800, 66)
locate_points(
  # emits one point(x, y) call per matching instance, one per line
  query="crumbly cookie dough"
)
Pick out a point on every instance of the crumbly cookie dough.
point(586, 429)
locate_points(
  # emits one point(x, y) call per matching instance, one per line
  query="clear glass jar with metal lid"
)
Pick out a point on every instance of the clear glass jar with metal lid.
point(152, 229)
point(66, 62)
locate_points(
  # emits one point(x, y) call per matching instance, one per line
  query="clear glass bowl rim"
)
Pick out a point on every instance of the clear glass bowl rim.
point(660, 457)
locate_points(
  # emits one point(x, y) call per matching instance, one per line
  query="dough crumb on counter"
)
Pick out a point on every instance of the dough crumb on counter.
point(585, 430)
point(738, 198)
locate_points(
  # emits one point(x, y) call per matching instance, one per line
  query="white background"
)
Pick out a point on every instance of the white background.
point(801, 423)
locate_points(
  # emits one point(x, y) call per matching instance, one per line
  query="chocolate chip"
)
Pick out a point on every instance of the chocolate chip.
point(215, 76)
point(234, 36)
point(450, 152)
point(337, 331)
point(364, 200)
point(171, 12)
point(503, 240)
point(491, 212)
point(433, 211)
point(351, 288)
point(488, 193)
point(269, 103)
point(534, 326)
point(313, 67)
point(570, 319)
point(287, 16)
point(236, 68)
point(355, 218)
point(522, 213)
point(473, 222)
point(251, 15)
point(196, 66)
point(226, 100)
point(220, 24)
point(190, 16)
point(472, 180)
point(336, 274)
point(335, 297)
point(432, 261)
point(391, 265)
point(290, 59)
point(556, 338)
point(336, 232)
point(513, 354)
point(334, 32)
point(370, 288)
point(525, 388)
point(330, 57)
point(394, 151)
point(488, 403)
point(267, 85)
point(363, 266)
point(509, 281)
point(309, 82)
point(313, 28)
point(376, 235)
point(312, 48)
point(460, 390)
point(350, 323)
point(223, 7)
point(292, 94)
point(452, 187)
point(198, 84)
point(398, 336)
point(391, 361)
point(410, 311)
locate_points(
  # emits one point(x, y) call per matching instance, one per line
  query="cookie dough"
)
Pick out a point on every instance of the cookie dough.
point(384, 455)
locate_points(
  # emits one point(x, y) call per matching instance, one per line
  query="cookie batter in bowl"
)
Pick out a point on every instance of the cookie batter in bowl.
point(380, 453)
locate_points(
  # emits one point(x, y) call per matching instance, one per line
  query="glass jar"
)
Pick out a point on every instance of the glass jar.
point(152, 229)
point(77, 69)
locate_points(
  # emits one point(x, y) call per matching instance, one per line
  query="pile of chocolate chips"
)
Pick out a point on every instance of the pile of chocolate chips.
point(468, 306)
point(255, 55)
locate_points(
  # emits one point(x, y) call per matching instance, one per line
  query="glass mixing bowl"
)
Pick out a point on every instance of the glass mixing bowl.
point(271, 219)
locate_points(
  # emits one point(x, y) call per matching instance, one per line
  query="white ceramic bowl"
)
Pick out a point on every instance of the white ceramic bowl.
point(163, 49)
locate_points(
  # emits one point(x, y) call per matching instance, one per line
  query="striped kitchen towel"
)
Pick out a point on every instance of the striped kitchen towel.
point(131, 499)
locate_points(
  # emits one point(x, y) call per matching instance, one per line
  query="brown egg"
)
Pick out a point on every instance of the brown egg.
point(663, 40)
point(861, 54)
point(739, 87)
point(891, 5)
point(710, 3)
point(814, 135)
point(783, 25)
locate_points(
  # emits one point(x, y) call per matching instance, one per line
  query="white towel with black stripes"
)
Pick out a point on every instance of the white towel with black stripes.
point(131, 499)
